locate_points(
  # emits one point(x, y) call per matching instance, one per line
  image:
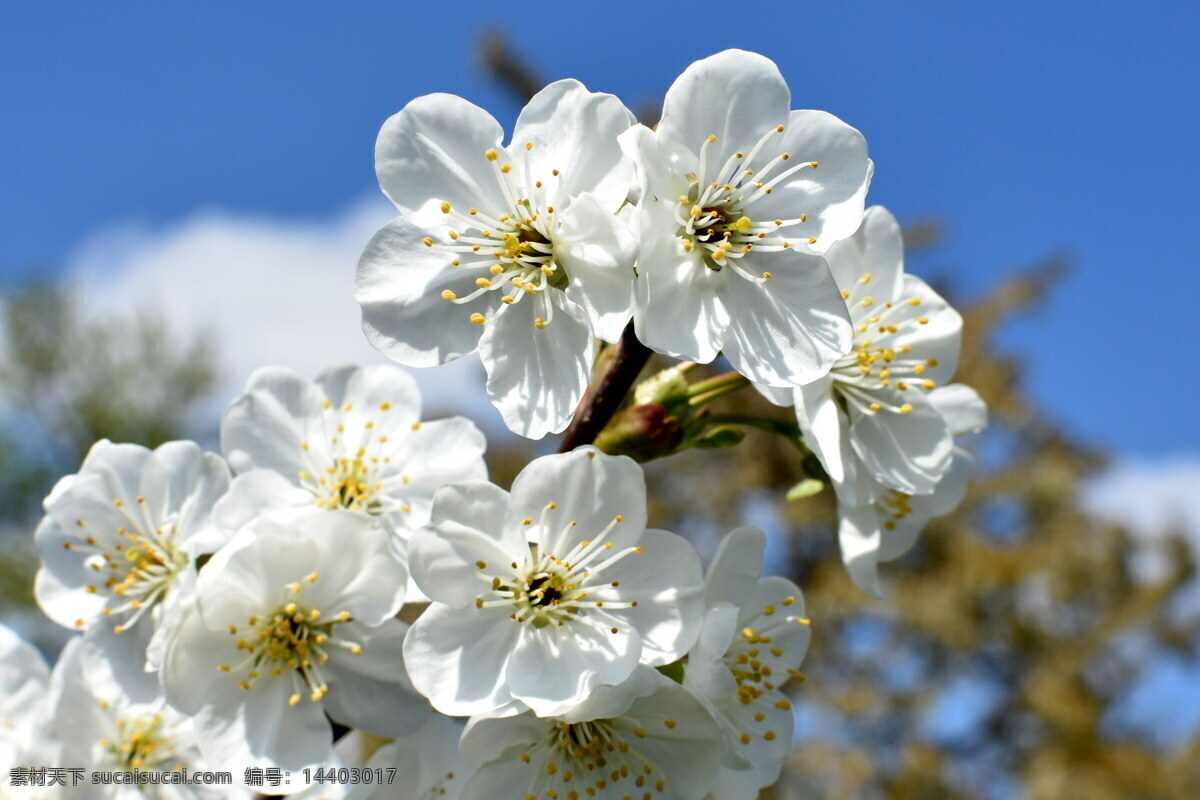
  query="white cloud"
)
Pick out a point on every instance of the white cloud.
point(268, 291)
point(1155, 500)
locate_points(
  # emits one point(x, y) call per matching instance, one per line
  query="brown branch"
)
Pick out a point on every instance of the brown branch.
point(605, 395)
point(501, 61)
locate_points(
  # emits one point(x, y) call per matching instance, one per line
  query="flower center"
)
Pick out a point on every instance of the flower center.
point(896, 505)
point(144, 743)
point(546, 589)
point(352, 467)
point(294, 640)
point(588, 757)
point(713, 214)
point(879, 361)
point(747, 660)
point(511, 253)
point(349, 486)
point(138, 562)
point(438, 789)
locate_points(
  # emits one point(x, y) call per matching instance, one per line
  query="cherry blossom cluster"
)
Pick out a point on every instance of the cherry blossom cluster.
point(342, 586)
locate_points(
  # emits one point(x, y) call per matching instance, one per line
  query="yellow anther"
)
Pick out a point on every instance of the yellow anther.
point(428, 242)
point(445, 207)
point(766, 276)
point(491, 154)
point(294, 700)
point(483, 283)
point(539, 323)
point(477, 318)
point(448, 295)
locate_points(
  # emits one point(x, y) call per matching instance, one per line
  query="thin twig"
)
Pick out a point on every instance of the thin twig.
point(606, 394)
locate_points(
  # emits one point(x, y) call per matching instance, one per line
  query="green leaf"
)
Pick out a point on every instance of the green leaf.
point(805, 488)
point(674, 671)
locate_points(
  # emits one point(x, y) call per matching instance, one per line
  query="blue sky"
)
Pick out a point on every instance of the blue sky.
point(1029, 127)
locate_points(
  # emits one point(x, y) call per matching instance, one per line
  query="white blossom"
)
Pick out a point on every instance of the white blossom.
point(353, 439)
point(118, 721)
point(649, 737)
point(512, 251)
point(423, 763)
point(873, 420)
point(754, 639)
point(541, 596)
point(887, 528)
point(739, 197)
point(291, 622)
point(25, 737)
point(120, 538)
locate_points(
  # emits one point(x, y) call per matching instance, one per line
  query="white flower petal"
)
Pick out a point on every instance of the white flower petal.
point(438, 453)
point(266, 731)
point(735, 95)
point(536, 376)
point(667, 582)
point(908, 452)
point(859, 538)
point(735, 568)
point(487, 738)
point(790, 329)
point(59, 582)
point(399, 286)
point(598, 251)
point(613, 701)
point(263, 426)
point(679, 310)
point(782, 396)
point(260, 492)
point(360, 570)
point(589, 488)
point(961, 407)
point(373, 387)
point(833, 194)
point(876, 247)
point(824, 426)
point(432, 151)
point(575, 131)
point(775, 608)
point(554, 668)
point(766, 755)
point(371, 691)
point(196, 481)
point(457, 658)
point(686, 753)
point(938, 339)
point(947, 497)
